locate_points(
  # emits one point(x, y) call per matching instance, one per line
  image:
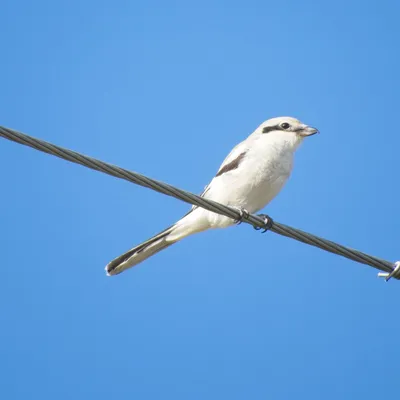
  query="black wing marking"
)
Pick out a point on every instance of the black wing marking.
point(232, 165)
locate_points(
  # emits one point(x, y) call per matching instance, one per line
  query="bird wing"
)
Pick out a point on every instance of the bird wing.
point(231, 161)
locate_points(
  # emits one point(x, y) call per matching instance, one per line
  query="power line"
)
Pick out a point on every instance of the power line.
point(389, 269)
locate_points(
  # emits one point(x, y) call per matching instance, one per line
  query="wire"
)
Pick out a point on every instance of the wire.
point(390, 269)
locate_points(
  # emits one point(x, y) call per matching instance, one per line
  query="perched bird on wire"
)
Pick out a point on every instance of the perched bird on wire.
point(249, 178)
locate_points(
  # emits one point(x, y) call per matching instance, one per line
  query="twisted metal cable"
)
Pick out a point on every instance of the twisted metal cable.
point(391, 270)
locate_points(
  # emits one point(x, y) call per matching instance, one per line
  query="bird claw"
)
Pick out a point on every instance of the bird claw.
point(267, 221)
point(243, 214)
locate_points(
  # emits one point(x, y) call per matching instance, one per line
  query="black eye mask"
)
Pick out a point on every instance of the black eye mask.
point(273, 128)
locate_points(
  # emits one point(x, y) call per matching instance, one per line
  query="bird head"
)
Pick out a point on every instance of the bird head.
point(291, 127)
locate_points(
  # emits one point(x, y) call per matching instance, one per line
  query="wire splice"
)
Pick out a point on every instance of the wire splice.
point(394, 274)
point(389, 269)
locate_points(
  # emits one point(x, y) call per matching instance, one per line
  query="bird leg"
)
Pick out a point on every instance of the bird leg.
point(268, 221)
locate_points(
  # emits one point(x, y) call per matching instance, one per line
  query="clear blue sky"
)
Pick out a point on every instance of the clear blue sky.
point(167, 89)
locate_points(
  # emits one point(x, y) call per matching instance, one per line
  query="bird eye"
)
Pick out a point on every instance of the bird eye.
point(285, 125)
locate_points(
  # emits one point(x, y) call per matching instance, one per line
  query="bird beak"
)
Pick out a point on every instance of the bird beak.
point(308, 131)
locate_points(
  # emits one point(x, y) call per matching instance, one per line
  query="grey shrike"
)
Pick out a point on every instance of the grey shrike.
point(249, 178)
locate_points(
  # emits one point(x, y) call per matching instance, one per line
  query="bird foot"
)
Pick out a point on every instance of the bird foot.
point(268, 221)
point(243, 214)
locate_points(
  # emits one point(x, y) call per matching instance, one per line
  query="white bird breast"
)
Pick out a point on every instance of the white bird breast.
point(257, 180)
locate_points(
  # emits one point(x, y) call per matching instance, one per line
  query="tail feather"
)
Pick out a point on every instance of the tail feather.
point(140, 253)
point(188, 225)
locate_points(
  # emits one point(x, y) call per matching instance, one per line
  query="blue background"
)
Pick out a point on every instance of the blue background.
point(167, 89)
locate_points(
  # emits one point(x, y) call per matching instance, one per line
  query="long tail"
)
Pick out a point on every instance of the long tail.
point(192, 222)
point(140, 253)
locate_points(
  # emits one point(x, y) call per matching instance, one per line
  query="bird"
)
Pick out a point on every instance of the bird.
point(252, 174)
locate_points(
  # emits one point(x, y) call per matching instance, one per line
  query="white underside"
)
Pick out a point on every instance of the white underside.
point(258, 179)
